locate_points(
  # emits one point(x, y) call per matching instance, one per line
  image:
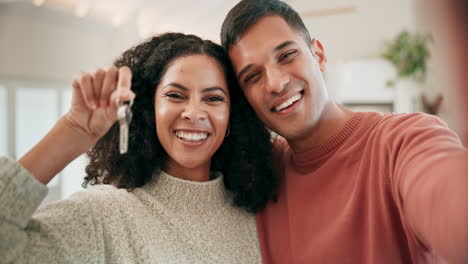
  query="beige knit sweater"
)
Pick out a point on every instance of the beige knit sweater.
point(166, 221)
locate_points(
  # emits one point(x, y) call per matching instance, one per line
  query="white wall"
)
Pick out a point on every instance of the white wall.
point(44, 44)
point(124, 37)
point(353, 43)
point(38, 42)
point(360, 34)
point(41, 48)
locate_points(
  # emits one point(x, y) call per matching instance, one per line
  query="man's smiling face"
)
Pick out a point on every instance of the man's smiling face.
point(280, 74)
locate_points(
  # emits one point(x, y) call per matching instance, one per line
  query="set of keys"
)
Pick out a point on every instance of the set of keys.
point(124, 114)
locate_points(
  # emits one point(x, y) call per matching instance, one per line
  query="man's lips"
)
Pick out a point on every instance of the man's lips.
point(286, 101)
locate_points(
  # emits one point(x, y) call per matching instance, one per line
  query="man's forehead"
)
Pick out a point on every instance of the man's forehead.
point(267, 32)
point(256, 47)
point(267, 29)
point(262, 40)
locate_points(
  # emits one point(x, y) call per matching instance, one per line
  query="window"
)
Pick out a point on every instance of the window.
point(3, 122)
point(72, 176)
point(28, 111)
point(36, 113)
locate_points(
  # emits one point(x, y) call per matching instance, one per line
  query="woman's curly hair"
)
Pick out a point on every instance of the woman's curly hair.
point(245, 156)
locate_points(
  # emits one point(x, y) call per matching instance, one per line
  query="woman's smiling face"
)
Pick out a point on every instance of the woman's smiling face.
point(192, 112)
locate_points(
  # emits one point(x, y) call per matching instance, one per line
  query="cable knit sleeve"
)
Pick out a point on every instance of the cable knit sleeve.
point(430, 180)
point(60, 232)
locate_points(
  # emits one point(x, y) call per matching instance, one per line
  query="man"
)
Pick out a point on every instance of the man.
point(449, 24)
point(355, 187)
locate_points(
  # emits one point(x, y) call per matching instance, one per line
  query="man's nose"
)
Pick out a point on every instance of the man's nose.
point(276, 80)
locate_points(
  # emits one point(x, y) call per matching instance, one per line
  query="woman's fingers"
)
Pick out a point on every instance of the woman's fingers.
point(120, 96)
point(105, 87)
point(76, 86)
point(109, 85)
point(98, 80)
point(87, 90)
point(123, 93)
point(116, 86)
point(124, 84)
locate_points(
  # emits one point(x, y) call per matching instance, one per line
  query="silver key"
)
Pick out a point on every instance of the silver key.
point(124, 114)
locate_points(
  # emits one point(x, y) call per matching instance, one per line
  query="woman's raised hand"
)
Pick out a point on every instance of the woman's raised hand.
point(92, 113)
point(94, 102)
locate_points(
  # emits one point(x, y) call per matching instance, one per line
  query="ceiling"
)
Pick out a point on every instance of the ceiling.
point(202, 17)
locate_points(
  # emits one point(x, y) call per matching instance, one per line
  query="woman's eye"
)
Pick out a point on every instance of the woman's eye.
point(215, 99)
point(287, 56)
point(174, 96)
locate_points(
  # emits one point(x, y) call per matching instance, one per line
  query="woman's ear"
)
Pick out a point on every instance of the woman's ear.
point(319, 53)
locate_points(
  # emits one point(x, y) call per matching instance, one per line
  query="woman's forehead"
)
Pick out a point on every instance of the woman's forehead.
point(195, 71)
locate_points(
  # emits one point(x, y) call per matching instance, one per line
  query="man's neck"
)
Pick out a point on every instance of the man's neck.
point(332, 120)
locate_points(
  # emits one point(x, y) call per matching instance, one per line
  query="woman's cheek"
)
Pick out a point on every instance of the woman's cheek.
point(221, 117)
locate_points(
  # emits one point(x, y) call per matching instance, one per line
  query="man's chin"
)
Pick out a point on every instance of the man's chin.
point(288, 134)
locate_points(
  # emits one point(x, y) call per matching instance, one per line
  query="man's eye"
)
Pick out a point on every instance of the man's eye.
point(215, 99)
point(251, 78)
point(288, 56)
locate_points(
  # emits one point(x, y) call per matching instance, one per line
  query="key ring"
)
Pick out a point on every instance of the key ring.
point(130, 103)
point(124, 115)
point(123, 110)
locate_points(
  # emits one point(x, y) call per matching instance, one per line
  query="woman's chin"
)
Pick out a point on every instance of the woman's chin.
point(192, 162)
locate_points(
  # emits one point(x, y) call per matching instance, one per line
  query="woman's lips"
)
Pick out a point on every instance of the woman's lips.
point(191, 138)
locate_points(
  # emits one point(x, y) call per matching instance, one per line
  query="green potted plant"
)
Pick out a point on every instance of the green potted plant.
point(409, 53)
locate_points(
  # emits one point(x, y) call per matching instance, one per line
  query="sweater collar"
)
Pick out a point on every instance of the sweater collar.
point(185, 195)
point(316, 154)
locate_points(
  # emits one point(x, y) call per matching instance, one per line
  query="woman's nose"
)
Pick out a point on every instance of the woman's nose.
point(194, 112)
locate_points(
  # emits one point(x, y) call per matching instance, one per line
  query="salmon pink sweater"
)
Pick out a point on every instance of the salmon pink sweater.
point(385, 189)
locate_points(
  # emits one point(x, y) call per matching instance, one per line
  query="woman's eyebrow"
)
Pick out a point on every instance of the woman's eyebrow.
point(176, 85)
point(181, 87)
point(214, 88)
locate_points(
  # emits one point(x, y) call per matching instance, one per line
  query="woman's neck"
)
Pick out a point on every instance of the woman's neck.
point(198, 174)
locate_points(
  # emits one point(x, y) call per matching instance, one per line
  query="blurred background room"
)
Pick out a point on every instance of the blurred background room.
point(379, 53)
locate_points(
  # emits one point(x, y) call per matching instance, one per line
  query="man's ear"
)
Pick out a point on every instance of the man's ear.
point(319, 53)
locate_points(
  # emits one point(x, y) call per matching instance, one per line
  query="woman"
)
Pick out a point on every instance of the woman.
point(164, 201)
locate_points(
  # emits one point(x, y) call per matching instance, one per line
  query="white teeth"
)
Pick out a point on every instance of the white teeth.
point(289, 102)
point(191, 136)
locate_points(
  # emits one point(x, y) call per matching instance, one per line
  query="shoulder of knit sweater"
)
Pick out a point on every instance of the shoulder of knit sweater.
point(422, 118)
point(389, 127)
point(393, 125)
point(102, 195)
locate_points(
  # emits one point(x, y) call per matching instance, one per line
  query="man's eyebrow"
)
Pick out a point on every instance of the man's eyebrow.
point(176, 85)
point(277, 48)
point(284, 44)
point(214, 88)
point(245, 69)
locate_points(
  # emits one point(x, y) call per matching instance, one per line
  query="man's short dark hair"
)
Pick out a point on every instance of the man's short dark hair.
point(248, 12)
